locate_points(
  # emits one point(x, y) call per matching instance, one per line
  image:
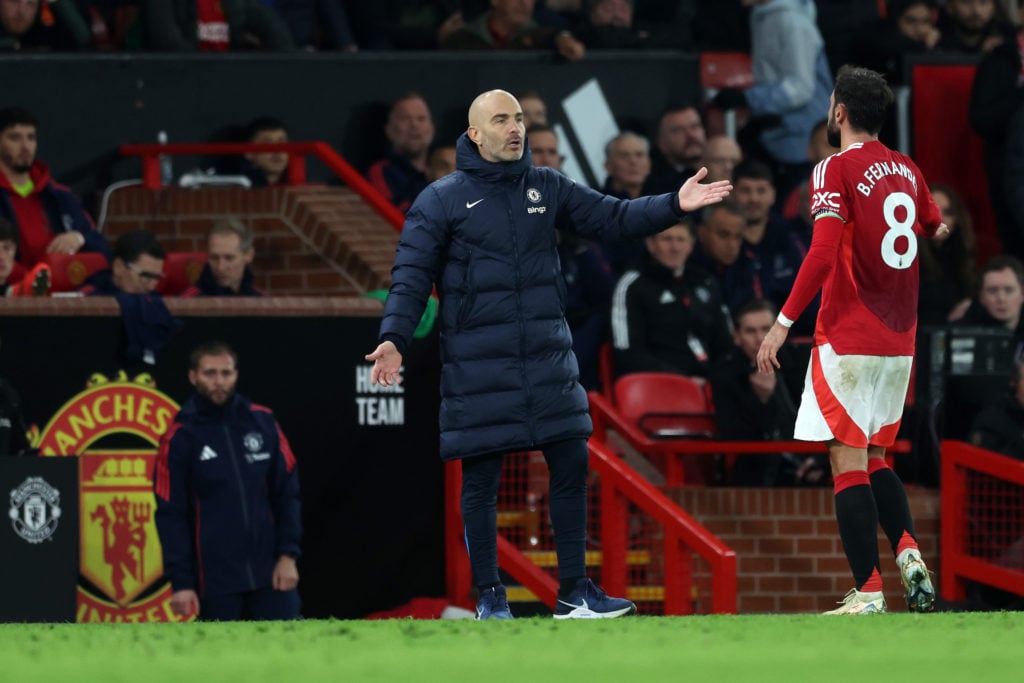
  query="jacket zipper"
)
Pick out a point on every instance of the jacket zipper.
point(522, 329)
point(242, 497)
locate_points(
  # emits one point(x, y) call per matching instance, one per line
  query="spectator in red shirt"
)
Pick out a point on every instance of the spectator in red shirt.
point(213, 26)
point(48, 216)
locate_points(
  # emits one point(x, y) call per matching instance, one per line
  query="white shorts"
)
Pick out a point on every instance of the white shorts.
point(856, 400)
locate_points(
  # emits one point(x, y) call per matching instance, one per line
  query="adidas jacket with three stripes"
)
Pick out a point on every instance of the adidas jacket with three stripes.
point(227, 494)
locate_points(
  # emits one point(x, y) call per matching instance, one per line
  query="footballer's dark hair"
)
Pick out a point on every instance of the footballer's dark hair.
point(866, 96)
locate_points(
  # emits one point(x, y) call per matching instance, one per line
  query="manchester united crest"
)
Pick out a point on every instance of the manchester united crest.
point(35, 510)
point(114, 426)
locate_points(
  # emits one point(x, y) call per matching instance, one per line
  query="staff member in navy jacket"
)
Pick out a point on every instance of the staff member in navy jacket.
point(485, 235)
point(227, 495)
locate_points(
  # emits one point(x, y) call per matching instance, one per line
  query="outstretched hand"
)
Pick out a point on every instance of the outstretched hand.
point(694, 195)
point(387, 362)
point(942, 230)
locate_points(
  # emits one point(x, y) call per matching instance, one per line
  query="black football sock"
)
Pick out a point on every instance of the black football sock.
point(891, 500)
point(858, 524)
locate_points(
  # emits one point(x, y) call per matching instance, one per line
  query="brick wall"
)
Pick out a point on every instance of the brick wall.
point(789, 556)
point(309, 240)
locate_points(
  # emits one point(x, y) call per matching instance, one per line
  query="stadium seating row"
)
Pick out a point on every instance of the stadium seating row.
point(70, 271)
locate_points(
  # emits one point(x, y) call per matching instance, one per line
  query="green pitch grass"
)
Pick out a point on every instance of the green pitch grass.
point(894, 647)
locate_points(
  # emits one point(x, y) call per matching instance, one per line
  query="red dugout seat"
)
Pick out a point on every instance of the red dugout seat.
point(181, 270)
point(726, 70)
point(69, 271)
point(665, 405)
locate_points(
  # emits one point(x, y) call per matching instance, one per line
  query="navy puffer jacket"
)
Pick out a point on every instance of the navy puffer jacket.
point(485, 235)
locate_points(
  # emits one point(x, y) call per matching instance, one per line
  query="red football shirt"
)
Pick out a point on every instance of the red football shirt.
point(869, 204)
point(214, 35)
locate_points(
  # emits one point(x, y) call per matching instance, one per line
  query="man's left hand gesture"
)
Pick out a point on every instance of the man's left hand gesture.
point(693, 195)
point(286, 574)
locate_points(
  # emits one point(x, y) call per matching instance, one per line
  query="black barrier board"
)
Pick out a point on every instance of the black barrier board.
point(39, 539)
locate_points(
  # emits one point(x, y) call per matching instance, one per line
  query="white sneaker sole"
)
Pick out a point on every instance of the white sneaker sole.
point(586, 613)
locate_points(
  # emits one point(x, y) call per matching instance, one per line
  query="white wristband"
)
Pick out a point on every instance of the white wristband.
point(784, 321)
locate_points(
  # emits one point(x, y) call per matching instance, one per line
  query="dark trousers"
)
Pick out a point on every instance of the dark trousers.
point(262, 604)
point(567, 483)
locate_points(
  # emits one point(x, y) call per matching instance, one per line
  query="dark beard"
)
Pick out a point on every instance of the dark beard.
point(208, 395)
point(21, 168)
point(833, 135)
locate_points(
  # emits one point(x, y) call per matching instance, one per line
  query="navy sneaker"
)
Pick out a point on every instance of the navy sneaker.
point(588, 601)
point(493, 604)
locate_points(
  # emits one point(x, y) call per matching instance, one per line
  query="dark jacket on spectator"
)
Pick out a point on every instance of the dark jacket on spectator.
point(13, 439)
point(997, 92)
point(739, 282)
point(207, 285)
point(170, 25)
point(1000, 428)
point(308, 20)
point(883, 47)
point(661, 323)
point(398, 180)
point(955, 40)
point(1014, 170)
point(485, 235)
point(977, 316)
point(67, 31)
point(741, 416)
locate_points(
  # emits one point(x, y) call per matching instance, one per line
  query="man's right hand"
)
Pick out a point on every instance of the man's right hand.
point(694, 195)
point(185, 603)
point(387, 361)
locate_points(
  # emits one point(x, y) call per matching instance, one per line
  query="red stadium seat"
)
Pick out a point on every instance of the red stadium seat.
point(181, 270)
point(665, 405)
point(69, 271)
point(726, 70)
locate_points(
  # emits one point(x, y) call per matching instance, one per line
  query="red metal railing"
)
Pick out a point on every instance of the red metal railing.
point(672, 449)
point(297, 152)
point(620, 486)
point(982, 520)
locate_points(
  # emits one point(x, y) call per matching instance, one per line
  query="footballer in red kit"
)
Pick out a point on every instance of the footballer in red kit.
point(874, 203)
point(869, 204)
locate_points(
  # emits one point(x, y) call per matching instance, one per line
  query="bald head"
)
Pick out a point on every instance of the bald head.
point(721, 156)
point(496, 126)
